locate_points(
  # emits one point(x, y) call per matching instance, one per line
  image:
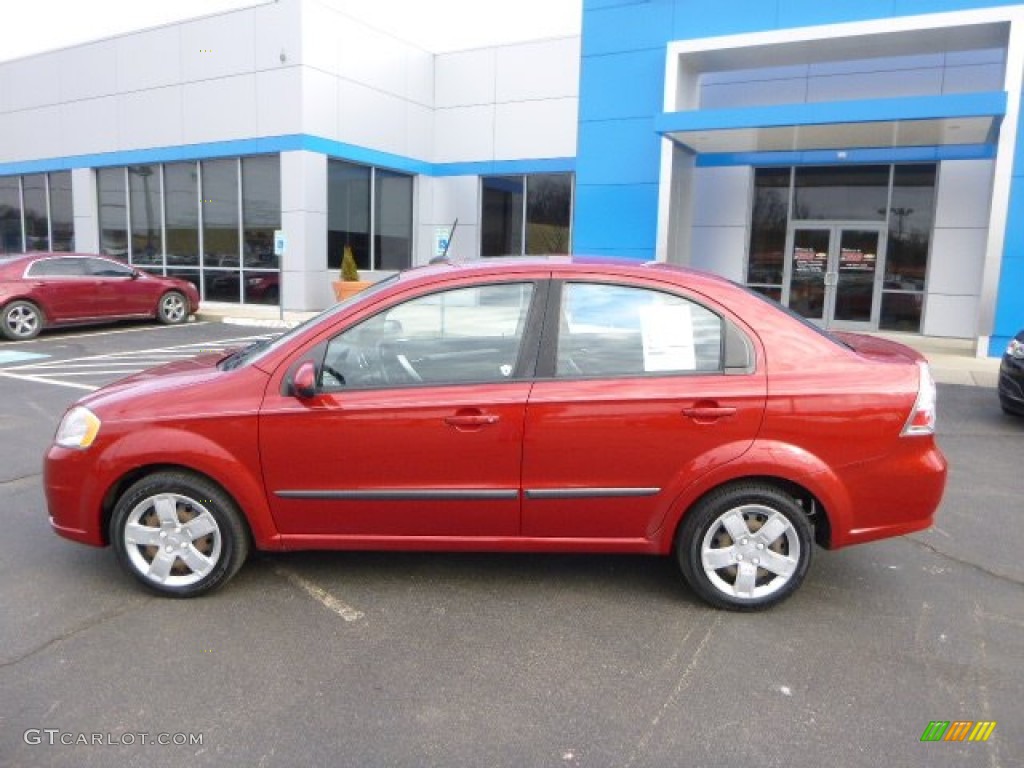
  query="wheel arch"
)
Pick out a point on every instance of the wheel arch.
point(813, 507)
point(125, 481)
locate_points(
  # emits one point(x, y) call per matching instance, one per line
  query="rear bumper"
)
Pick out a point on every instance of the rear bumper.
point(894, 496)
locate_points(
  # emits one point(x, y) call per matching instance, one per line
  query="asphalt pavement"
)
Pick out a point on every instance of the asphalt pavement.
point(434, 659)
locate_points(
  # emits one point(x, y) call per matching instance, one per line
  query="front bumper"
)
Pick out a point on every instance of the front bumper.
point(74, 495)
point(1011, 385)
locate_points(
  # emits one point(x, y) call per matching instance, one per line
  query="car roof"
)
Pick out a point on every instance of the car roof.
point(570, 264)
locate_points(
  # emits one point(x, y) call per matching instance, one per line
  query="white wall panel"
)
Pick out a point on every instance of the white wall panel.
point(964, 193)
point(31, 134)
point(371, 57)
point(89, 126)
point(370, 118)
point(217, 110)
point(419, 132)
point(150, 118)
point(84, 205)
point(279, 100)
point(320, 38)
point(464, 133)
point(304, 182)
point(420, 77)
point(956, 261)
point(31, 82)
point(465, 78)
point(528, 129)
point(456, 197)
point(305, 279)
point(720, 196)
point(319, 96)
point(953, 316)
point(720, 250)
point(219, 46)
point(278, 28)
point(149, 59)
point(548, 69)
point(88, 71)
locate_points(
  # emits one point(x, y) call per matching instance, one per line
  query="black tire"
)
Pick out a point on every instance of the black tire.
point(742, 582)
point(172, 309)
point(22, 320)
point(179, 534)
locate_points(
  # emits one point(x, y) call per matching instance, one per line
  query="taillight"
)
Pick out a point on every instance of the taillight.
point(922, 417)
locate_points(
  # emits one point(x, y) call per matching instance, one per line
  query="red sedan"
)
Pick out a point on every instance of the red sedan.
point(552, 405)
point(44, 290)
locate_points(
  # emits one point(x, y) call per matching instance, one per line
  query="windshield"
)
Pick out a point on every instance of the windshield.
point(256, 351)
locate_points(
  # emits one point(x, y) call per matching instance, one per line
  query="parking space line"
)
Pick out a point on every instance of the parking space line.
point(41, 380)
point(321, 595)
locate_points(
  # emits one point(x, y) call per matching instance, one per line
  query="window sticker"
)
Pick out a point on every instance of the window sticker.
point(668, 338)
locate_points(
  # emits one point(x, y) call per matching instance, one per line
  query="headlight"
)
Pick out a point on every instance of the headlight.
point(78, 428)
point(1016, 349)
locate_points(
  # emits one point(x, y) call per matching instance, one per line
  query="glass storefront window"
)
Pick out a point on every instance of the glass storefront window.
point(62, 214)
point(848, 193)
point(182, 214)
point(113, 212)
point(526, 214)
point(768, 229)
point(261, 210)
point(348, 213)
point(911, 218)
point(220, 214)
point(548, 207)
point(145, 206)
point(37, 220)
point(10, 214)
point(502, 226)
point(393, 220)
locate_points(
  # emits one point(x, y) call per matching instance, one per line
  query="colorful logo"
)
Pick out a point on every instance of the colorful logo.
point(958, 730)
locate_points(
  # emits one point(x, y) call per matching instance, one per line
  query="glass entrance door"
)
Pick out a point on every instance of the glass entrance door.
point(833, 274)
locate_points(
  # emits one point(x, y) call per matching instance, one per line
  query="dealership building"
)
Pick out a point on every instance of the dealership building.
point(858, 161)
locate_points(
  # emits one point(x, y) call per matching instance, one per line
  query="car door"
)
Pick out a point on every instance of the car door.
point(64, 288)
point(645, 391)
point(119, 292)
point(415, 428)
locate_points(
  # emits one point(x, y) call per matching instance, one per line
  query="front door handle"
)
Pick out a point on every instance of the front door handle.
point(706, 414)
point(471, 419)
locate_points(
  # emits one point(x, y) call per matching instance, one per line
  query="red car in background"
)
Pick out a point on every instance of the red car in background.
point(551, 405)
point(45, 290)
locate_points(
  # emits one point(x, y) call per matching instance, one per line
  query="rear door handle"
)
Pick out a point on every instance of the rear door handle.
point(704, 414)
point(471, 420)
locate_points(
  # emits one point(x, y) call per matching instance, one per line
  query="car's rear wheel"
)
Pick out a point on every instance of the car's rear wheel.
point(178, 534)
point(172, 309)
point(745, 547)
point(21, 320)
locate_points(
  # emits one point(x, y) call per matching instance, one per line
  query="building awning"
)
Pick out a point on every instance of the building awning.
point(923, 121)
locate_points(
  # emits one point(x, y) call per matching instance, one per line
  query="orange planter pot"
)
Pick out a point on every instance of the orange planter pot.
point(343, 289)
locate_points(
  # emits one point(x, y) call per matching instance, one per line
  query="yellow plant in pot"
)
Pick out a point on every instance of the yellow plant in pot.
point(349, 284)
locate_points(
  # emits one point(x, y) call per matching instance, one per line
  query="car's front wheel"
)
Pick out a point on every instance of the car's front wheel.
point(178, 534)
point(172, 309)
point(745, 547)
point(22, 320)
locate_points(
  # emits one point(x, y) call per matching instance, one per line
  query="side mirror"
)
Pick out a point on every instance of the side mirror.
point(304, 381)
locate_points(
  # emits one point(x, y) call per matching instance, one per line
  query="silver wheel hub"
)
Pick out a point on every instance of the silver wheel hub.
point(750, 552)
point(22, 320)
point(173, 308)
point(172, 540)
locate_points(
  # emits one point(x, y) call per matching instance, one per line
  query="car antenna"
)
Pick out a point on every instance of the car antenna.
point(448, 244)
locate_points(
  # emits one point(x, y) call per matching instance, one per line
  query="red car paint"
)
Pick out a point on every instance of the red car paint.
point(816, 417)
